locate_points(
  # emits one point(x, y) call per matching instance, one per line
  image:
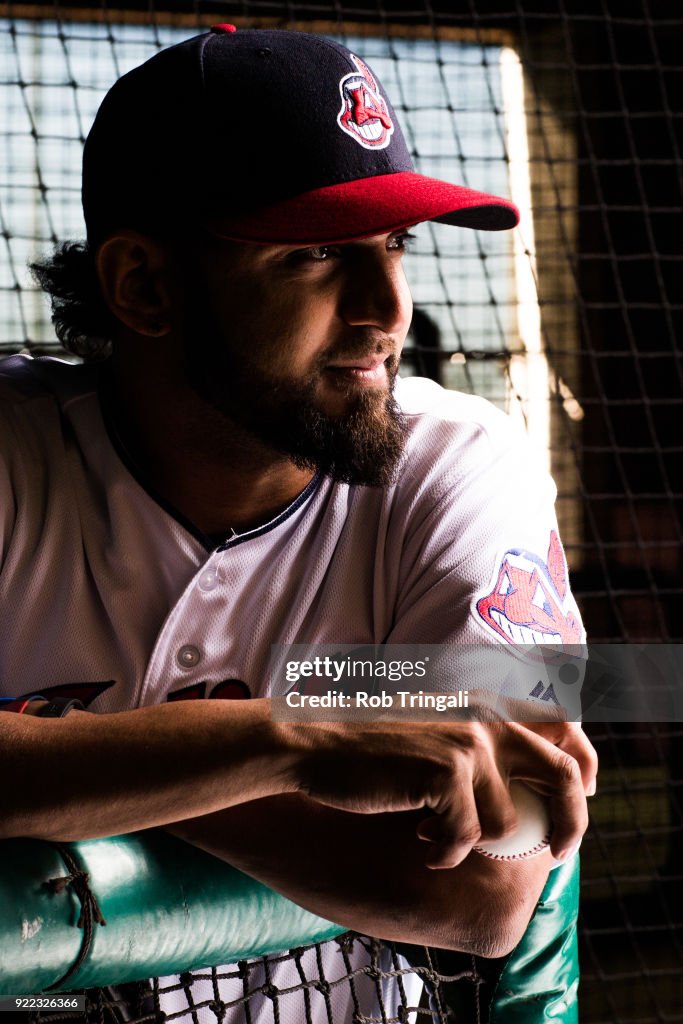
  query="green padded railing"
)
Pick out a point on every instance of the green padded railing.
point(170, 907)
point(540, 980)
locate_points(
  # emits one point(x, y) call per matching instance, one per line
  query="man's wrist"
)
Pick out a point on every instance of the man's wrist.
point(290, 751)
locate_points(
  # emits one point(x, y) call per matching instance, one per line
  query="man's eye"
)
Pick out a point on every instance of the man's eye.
point(318, 253)
point(401, 242)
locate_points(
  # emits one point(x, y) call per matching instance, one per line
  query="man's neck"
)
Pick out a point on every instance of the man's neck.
point(216, 475)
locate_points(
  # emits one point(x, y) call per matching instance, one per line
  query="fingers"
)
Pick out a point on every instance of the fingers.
point(568, 810)
point(497, 816)
point(453, 830)
point(448, 845)
point(475, 805)
point(555, 773)
point(580, 747)
point(570, 737)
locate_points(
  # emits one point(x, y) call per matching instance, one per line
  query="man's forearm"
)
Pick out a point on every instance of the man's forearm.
point(87, 775)
point(367, 873)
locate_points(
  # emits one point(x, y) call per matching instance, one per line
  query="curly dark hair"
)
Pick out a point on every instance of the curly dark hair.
point(83, 322)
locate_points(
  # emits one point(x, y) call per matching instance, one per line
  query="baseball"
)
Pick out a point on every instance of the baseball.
point(532, 834)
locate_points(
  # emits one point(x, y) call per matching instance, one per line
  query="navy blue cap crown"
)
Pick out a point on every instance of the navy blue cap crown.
point(226, 123)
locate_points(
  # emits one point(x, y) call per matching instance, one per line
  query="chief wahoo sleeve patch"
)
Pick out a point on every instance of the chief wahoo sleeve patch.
point(528, 601)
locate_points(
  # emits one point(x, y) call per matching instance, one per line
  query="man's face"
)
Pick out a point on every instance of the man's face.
point(300, 348)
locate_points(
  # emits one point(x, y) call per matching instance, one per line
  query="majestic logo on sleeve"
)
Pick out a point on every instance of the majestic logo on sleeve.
point(529, 601)
point(364, 114)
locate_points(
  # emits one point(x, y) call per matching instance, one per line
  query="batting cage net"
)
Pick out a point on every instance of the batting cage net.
point(352, 979)
point(570, 323)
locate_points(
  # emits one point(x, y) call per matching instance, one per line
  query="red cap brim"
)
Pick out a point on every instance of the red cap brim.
point(368, 206)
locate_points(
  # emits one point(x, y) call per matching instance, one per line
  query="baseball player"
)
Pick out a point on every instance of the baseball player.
point(236, 464)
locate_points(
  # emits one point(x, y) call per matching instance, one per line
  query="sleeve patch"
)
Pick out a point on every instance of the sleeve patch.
point(528, 600)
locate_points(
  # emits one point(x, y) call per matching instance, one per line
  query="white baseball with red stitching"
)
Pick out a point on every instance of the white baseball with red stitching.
point(532, 834)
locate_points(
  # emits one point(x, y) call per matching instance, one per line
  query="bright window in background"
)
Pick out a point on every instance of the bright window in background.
point(462, 109)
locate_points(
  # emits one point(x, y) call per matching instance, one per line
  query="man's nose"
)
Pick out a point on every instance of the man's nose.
point(376, 294)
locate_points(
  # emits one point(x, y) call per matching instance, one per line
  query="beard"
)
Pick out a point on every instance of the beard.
point(362, 445)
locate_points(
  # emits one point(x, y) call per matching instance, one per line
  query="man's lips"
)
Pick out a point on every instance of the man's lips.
point(366, 370)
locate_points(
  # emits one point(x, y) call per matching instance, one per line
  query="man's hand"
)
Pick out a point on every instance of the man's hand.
point(457, 771)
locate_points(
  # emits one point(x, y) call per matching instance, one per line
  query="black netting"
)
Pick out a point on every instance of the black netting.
point(352, 979)
point(573, 108)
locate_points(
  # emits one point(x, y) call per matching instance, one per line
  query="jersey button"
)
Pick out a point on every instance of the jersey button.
point(188, 656)
point(208, 580)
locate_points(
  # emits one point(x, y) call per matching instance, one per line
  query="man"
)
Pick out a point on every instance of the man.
point(243, 470)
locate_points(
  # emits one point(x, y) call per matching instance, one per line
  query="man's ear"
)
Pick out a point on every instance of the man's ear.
point(136, 277)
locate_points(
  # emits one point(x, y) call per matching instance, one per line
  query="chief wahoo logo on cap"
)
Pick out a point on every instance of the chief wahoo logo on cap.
point(364, 114)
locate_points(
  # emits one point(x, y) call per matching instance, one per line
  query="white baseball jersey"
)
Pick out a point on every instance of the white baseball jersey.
point(106, 594)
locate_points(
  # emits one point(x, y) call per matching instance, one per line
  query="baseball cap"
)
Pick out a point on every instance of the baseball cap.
point(262, 136)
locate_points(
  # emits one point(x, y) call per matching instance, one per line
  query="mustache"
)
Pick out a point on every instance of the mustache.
point(361, 346)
